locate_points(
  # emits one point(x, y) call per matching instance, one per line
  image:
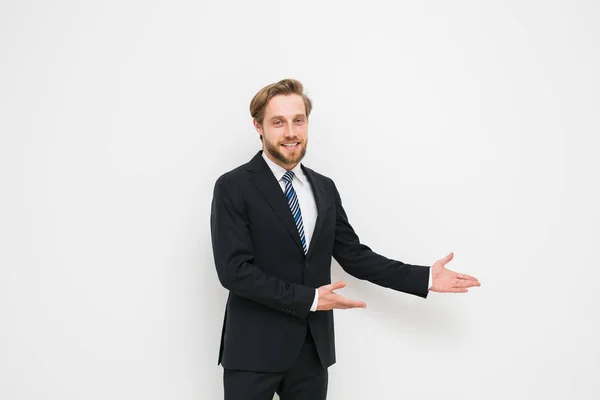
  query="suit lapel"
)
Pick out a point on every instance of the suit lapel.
point(268, 186)
point(319, 192)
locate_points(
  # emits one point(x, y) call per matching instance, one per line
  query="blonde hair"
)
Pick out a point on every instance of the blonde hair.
point(285, 87)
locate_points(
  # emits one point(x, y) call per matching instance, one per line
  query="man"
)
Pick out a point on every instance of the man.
point(275, 226)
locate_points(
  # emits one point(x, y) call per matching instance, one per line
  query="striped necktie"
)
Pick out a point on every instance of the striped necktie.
point(290, 195)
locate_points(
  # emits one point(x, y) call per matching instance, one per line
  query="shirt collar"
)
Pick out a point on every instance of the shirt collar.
point(279, 171)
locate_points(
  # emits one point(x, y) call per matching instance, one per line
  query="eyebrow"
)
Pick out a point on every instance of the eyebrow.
point(282, 117)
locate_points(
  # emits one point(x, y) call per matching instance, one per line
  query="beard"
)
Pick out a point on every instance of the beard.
point(284, 157)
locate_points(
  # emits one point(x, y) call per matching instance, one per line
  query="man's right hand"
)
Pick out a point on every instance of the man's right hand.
point(328, 300)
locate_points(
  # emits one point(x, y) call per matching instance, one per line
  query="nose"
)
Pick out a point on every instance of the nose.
point(289, 132)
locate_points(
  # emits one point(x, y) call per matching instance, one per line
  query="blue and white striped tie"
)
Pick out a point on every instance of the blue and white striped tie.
point(290, 195)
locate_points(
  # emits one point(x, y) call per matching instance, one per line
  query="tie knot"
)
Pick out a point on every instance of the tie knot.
point(288, 176)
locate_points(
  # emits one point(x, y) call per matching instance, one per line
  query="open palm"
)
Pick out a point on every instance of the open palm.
point(447, 281)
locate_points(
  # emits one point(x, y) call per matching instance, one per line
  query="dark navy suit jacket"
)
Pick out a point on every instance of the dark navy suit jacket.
point(271, 282)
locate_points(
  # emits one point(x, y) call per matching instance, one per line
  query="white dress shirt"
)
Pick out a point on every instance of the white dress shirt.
point(308, 205)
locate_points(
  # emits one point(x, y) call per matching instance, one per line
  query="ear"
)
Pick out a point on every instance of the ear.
point(257, 126)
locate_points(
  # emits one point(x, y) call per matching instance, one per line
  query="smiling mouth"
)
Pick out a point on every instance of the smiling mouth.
point(291, 146)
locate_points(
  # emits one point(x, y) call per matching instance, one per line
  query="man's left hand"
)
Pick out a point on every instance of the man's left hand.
point(447, 281)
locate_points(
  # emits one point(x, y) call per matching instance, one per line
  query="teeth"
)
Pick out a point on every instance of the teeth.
point(290, 144)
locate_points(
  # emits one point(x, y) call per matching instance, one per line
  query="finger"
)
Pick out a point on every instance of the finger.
point(447, 259)
point(459, 290)
point(465, 284)
point(467, 277)
point(336, 285)
point(463, 276)
point(348, 303)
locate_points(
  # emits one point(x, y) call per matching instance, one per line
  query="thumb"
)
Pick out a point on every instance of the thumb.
point(448, 258)
point(338, 285)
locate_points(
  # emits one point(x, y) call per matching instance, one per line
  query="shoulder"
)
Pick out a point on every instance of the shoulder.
point(233, 176)
point(241, 173)
point(229, 184)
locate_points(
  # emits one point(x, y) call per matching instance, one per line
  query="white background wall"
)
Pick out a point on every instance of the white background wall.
point(460, 126)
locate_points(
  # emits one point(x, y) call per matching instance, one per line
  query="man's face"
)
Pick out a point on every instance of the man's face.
point(284, 130)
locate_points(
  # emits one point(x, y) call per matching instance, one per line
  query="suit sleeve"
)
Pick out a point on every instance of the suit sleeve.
point(232, 249)
point(360, 261)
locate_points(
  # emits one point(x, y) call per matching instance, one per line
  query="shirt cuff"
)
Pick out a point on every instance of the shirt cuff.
point(313, 308)
point(430, 284)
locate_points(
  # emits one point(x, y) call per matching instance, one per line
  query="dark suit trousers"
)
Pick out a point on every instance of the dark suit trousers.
point(306, 380)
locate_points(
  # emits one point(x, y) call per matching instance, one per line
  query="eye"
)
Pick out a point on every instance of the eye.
point(299, 120)
point(277, 122)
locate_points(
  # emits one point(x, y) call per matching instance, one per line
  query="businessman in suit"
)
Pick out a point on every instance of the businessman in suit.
point(275, 226)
